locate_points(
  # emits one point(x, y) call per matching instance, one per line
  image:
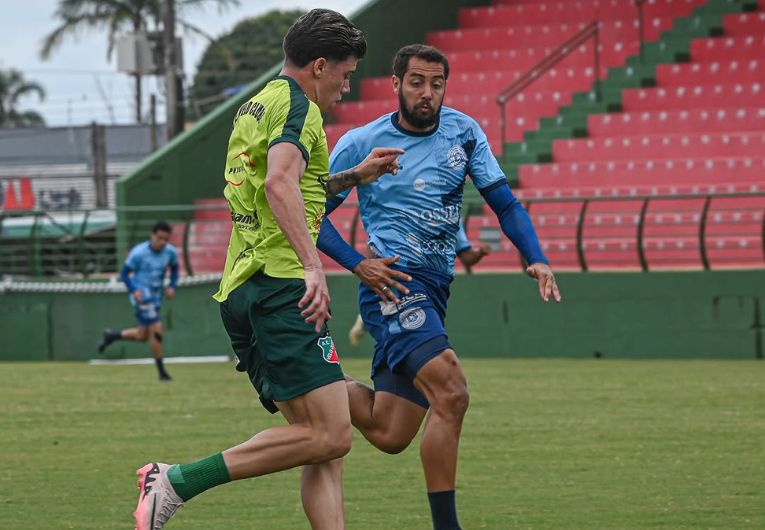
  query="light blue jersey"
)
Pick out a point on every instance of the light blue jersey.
point(416, 213)
point(144, 269)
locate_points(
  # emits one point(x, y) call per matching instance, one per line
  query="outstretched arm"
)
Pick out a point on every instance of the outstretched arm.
point(380, 161)
point(375, 273)
point(516, 225)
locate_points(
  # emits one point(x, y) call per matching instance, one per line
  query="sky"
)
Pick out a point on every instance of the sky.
point(82, 85)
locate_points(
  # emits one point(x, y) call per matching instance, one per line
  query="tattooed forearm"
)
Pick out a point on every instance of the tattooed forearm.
point(339, 182)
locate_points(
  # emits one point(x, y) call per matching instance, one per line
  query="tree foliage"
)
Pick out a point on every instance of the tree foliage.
point(117, 18)
point(239, 57)
point(13, 87)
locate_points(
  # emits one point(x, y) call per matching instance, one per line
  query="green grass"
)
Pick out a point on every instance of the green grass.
point(551, 444)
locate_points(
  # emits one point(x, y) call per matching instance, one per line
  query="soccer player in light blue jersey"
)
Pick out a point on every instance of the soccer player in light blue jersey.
point(412, 222)
point(144, 274)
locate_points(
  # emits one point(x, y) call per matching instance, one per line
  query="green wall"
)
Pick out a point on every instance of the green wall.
point(653, 315)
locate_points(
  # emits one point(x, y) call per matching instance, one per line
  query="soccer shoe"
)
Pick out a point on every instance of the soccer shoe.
point(105, 340)
point(165, 377)
point(157, 500)
point(357, 332)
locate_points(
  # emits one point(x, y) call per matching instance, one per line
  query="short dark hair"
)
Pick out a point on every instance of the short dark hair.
point(421, 51)
point(323, 33)
point(161, 226)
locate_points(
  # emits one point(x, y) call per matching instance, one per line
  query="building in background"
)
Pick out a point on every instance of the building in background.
point(70, 168)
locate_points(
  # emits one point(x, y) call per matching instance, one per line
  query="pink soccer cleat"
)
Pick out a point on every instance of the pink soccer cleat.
point(157, 500)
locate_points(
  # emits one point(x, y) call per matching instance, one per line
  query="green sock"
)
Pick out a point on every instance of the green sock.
point(189, 480)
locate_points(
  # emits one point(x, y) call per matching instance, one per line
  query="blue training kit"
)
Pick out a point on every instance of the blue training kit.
point(416, 215)
point(144, 270)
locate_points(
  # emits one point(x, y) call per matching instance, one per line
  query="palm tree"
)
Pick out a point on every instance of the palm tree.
point(12, 88)
point(118, 17)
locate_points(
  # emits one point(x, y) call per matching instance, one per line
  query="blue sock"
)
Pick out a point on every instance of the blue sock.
point(443, 509)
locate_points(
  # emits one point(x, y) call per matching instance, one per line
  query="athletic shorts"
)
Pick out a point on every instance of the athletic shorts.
point(283, 356)
point(146, 314)
point(408, 334)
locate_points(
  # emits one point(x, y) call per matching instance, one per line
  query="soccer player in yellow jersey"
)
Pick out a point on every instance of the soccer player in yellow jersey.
point(273, 294)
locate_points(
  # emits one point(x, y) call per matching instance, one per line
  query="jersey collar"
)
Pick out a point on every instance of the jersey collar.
point(394, 121)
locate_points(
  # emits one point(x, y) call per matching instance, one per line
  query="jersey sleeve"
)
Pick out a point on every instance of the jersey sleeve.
point(344, 156)
point(133, 261)
point(295, 121)
point(174, 268)
point(483, 166)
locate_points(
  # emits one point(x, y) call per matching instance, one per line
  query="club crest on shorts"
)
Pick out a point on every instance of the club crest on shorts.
point(412, 318)
point(328, 350)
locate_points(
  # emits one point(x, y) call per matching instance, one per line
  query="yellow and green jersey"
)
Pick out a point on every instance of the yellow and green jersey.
point(280, 112)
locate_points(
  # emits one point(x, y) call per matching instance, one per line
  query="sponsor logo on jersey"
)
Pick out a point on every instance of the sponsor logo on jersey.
point(419, 184)
point(243, 158)
point(245, 221)
point(440, 216)
point(253, 108)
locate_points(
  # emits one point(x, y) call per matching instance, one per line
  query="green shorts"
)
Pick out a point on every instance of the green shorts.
point(282, 354)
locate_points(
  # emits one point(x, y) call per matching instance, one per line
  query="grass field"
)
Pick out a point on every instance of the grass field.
point(552, 444)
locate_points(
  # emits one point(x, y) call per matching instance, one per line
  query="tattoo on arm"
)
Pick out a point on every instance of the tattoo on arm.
point(339, 182)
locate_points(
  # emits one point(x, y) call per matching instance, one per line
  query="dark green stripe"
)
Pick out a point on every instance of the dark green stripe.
point(298, 111)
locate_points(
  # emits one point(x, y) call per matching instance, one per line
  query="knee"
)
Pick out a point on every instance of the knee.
point(334, 443)
point(453, 403)
point(391, 444)
point(143, 334)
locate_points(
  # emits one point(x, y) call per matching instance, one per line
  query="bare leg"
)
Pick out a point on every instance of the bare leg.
point(444, 385)
point(387, 421)
point(321, 489)
point(155, 340)
point(318, 435)
point(140, 334)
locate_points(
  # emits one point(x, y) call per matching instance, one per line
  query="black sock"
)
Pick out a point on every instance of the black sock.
point(443, 509)
point(111, 336)
point(161, 367)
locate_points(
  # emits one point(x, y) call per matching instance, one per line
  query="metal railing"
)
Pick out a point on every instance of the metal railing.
point(700, 222)
point(82, 244)
point(591, 31)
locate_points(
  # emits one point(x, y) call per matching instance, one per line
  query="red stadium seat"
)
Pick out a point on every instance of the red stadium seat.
point(653, 147)
point(743, 48)
point(710, 73)
point(742, 24)
point(676, 121)
point(694, 97)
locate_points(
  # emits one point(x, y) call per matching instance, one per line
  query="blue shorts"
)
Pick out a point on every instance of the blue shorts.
point(146, 314)
point(408, 334)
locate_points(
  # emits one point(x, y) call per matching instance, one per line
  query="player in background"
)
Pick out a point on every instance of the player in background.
point(413, 221)
point(273, 295)
point(143, 273)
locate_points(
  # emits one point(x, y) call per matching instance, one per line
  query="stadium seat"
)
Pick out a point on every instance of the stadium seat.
point(747, 47)
point(744, 24)
point(653, 147)
point(710, 73)
point(694, 97)
point(676, 122)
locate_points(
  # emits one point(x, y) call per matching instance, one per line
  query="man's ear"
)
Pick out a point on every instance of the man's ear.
point(319, 66)
point(396, 84)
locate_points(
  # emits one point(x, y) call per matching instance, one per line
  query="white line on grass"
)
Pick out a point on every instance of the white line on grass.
point(168, 360)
